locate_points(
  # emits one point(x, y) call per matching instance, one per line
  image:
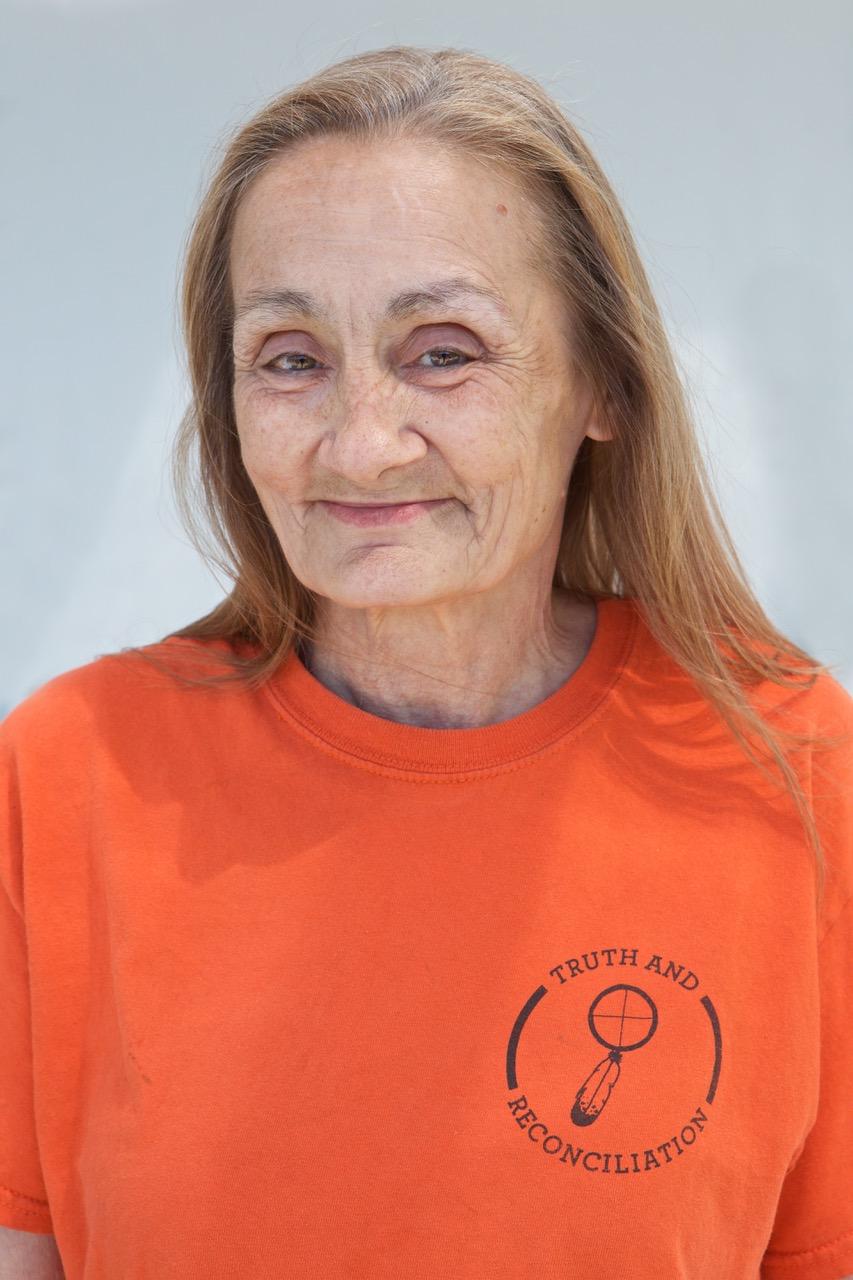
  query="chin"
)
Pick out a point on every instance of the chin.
point(373, 589)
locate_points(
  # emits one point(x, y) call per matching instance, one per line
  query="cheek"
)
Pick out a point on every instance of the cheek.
point(481, 433)
point(500, 453)
point(273, 453)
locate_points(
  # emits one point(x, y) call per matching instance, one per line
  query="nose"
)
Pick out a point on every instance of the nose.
point(372, 430)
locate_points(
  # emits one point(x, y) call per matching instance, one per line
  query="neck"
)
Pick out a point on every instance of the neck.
point(460, 664)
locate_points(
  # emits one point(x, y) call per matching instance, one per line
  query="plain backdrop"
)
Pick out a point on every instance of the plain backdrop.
point(726, 130)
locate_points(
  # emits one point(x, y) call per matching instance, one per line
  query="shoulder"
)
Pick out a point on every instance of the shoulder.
point(810, 704)
point(51, 709)
point(831, 705)
point(823, 713)
point(821, 705)
point(831, 785)
point(810, 716)
point(118, 691)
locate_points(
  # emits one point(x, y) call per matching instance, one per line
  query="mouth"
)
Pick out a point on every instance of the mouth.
point(365, 514)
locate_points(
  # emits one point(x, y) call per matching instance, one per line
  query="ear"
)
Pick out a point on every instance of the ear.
point(597, 426)
point(598, 432)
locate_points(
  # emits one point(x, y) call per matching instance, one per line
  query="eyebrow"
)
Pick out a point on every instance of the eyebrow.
point(436, 294)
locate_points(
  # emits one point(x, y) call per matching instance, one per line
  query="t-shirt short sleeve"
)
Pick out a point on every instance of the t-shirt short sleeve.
point(813, 1233)
point(23, 1197)
point(812, 1237)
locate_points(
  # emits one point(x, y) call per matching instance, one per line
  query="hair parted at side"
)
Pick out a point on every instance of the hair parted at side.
point(641, 517)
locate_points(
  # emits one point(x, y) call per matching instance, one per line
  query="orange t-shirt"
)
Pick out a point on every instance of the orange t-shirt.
point(293, 990)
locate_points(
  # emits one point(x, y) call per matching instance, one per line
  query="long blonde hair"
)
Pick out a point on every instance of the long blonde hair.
point(641, 517)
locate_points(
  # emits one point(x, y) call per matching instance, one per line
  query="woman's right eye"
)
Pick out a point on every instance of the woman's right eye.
point(289, 355)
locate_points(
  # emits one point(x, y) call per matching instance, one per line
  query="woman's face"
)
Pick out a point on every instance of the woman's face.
point(393, 345)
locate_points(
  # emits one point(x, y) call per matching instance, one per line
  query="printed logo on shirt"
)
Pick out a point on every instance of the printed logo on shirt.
point(613, 1064)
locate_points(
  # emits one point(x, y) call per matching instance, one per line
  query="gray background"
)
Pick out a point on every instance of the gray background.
point(725, 129)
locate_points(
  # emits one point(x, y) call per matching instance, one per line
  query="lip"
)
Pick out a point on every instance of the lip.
point(388, 513)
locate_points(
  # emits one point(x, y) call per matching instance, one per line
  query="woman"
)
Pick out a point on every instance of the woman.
point(469, 893)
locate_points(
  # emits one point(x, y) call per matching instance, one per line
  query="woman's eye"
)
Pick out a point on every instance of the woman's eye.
point(290, 355)
point(443, 352)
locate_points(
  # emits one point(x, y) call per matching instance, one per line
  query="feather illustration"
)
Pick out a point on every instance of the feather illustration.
point(592, 1096)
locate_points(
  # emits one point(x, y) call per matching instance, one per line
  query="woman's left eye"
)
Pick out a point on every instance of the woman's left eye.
point(445, 351)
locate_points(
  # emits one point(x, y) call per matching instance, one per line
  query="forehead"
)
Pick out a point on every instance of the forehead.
point(381, 208)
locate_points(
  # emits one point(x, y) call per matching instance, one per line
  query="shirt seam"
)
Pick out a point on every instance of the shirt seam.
point(817, 1248)
point(29, 1204)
